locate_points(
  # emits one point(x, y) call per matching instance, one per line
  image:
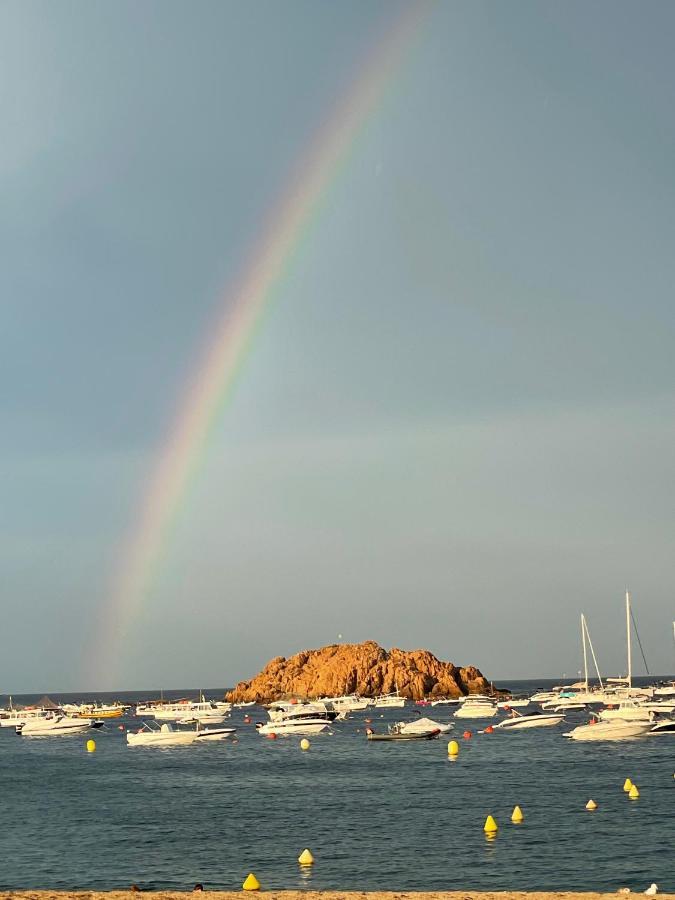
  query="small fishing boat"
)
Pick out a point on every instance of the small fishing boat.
point(396, 735)
point(423, 726)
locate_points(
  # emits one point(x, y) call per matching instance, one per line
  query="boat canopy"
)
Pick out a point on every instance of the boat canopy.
point(47, 703)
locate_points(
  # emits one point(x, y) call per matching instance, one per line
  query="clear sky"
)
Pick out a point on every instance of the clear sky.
point(456, 428)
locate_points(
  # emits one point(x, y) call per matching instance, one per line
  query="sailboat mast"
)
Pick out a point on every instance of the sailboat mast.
point(628, 648)
point(583, 642)
point(595, 661)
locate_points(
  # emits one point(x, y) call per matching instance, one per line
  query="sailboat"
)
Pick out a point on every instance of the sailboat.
point(589, 695)
point(627, 720)
point(631, 707)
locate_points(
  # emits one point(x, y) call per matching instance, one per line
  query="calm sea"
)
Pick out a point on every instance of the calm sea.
point(376, 816)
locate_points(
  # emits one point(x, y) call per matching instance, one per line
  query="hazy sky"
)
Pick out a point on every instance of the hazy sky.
point(456, 428)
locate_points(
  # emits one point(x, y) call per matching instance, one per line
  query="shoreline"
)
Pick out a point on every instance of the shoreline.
point(331, 895)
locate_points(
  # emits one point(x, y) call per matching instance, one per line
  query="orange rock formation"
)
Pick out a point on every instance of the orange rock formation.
point(366, 669)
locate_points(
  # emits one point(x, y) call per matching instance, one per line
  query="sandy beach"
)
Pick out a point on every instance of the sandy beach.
point(329, 895)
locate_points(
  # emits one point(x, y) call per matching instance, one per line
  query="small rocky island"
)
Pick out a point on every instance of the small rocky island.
point(366, 669)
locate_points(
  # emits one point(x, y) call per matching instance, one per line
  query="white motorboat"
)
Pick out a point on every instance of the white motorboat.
point(213, 734)
point(616, 730)
point(423, 726)
point(476, 709)
point(446, 701)
point(191, 709)
point(298, 720)
point(664, 726)
point(163, 736)
point(563, 703)
point(566, 707)
point(530, 720)
point(389, 701)
point(53, 725)
point(469, 698)
point(627, 711)
point(544, 696)
point(513, 703)
point(11, 718)
point(203, 717)
point(281, 709)
point(347, 703)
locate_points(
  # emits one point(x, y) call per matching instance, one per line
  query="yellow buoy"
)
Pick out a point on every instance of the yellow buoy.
point(490, 826)
point(306, 858)
point(91, 746)
point(517, 815)
point(633, 793)
point(591, 804)
point(453, 748)
point(627, 785)
point(251, 883)
point(304, 744)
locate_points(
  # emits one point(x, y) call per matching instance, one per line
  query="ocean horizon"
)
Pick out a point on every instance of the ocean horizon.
point(400, 816)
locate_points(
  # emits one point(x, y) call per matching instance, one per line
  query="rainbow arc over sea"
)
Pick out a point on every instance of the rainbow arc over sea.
point(242, 306)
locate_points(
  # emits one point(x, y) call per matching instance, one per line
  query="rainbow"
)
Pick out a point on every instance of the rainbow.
point(243, 307)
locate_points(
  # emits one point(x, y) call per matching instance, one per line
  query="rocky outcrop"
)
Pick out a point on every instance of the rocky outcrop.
point(365, 669)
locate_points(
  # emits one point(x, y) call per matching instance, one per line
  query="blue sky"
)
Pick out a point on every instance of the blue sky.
point(456, 428)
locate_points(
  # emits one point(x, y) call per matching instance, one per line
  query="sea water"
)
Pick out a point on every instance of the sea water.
point(396, 816)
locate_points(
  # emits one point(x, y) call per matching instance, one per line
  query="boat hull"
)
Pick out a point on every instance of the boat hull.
point(534, 722)
point(405, 736)
point(609, 731)
point(155, 739)
point(56, 728)
point(214, 734)
point(280, 728)
point(464, 713)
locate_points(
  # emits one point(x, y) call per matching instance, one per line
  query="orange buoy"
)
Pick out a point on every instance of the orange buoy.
point(467, 735)
point(247, 720)
point(271, 736)
point(489, 729)
point(121, 727)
